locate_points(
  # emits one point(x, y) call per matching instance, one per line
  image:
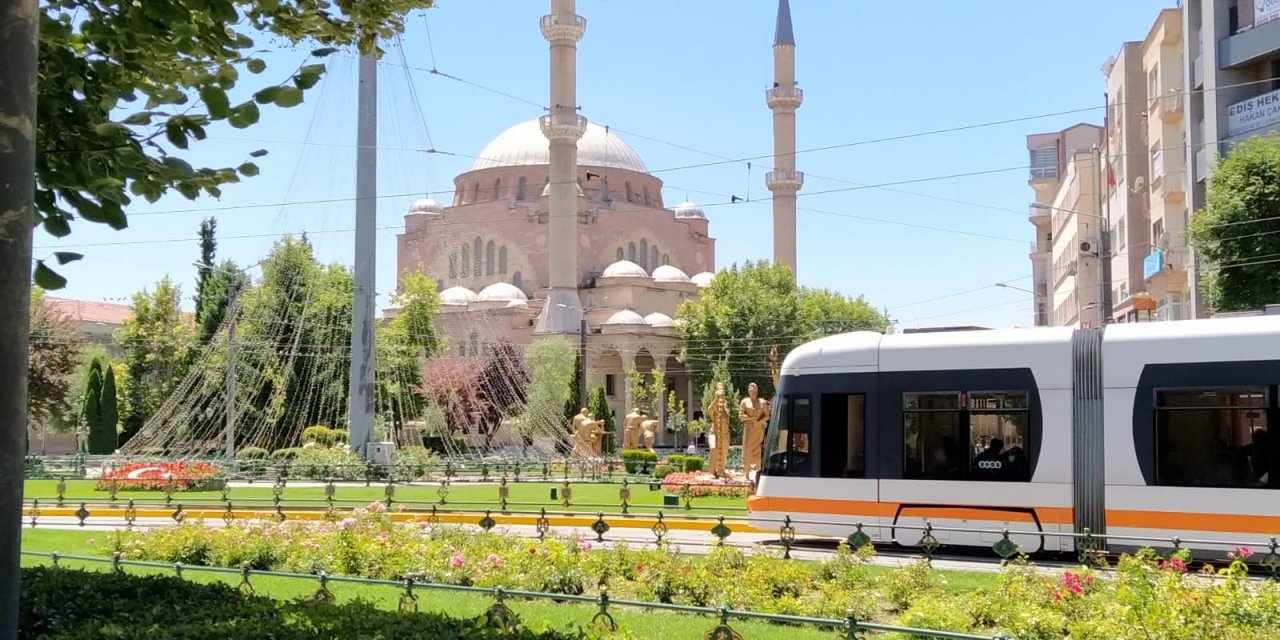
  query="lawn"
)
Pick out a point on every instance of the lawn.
point(522, 496)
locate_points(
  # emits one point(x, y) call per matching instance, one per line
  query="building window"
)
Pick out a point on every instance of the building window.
point(620, 256)
point(476, 257)
point(1153, 83)
point(1122, 230)
point(608, 384)
point(522, 189)
point(475, 193)
point(489, 258)
point(497, 188)
point(475, 343)
point(630, 197)
point(453, 266)
point(1212, 438)
point(644, 254)
point(466, 260)
point(654, 257)
point(1044, 162)
point(787, 443)
point(631, 251)
point(502, 260)
point(1157, 230)
point(967, 436)
point(462, 349)
point(666, 259)
point(1157, 161)
point(517, 280)
point(843, 453)
point(646, 196)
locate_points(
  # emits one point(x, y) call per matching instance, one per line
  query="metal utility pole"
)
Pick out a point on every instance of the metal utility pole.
point(17, 211)
point(1104, 243)
point(582, 360)
point(360, 396)
point(231, 369)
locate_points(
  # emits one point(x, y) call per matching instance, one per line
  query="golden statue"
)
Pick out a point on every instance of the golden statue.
point(755, 412)
point(718, 439)
point(631, 430)
point(649, 428)
point(585, 434)
point(597, 434)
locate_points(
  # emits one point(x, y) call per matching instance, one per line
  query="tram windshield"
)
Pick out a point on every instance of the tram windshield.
point(788, 439)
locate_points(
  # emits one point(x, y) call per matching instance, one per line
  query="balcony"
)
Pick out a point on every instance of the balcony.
point(563, 125)
point(1168, 176)
point(1167, 106)
point(561, 27)
point(784, 97)
point(1039, 214)
point(781, 178)
point(1251, 46)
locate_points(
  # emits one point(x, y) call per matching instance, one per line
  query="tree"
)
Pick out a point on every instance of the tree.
point(646, 392)
point(108, 411)
point(551, 361)
point(576, 402)
point(126, 87)
point(403, 343)
point(53, 355)
point(475, 394)
point(155, 339)
point(101, 442)
point(215, 295)
point(598, 403)
point(208, 252)
point(748, 310)
point(1238, 230)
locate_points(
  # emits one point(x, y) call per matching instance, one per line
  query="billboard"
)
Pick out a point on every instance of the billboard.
point(1265, 11)
point(1152, 264)
point(1253, 114)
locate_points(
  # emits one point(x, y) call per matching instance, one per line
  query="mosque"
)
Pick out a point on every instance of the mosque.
point(559, 228)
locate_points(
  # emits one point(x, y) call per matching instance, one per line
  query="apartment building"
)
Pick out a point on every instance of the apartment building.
point(1065, 261)
point(1126, 208)
point(1231, 64)
point(1166, 265)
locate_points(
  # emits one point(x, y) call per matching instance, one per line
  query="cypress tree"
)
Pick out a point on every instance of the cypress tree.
point(599, 406)
point(110, 410)
point(92, 412)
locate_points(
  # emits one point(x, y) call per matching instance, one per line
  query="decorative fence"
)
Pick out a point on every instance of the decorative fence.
point(500, 614)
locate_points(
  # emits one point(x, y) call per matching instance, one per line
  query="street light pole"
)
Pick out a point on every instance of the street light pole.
point(582, 359)
point(231, 370)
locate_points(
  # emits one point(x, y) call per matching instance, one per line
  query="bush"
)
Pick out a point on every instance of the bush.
point(662, 471)
point(153, 452)
point(639, 461)
point(63, 603)
point(321, 463)
point(285, 454)
point(436, 444)
point(324, 436)
point(252, 453)
point(685, 463)
point(412, 463)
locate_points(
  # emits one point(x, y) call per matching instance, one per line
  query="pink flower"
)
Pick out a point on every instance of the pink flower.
point(1174, 564)
point(347, 523)
point(640, 568)
point(377, 506)
point(584, 546)
point(1057, 597)
point(457, 561)
point(1245, 552)
point(494, 560)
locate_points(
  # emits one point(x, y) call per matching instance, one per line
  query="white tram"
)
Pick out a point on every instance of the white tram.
point(1151, 429)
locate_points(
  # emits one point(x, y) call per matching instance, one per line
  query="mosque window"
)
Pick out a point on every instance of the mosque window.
point(497, 189)
point(475, 193)
point(646, 196)
point(439, 285)
point(631, 251)
point(517, 281)
point(622, 255)
point(453, 266)
point(476, 258)
point(653, 258)
point(502, 260)
point(630, 197)
point(462, 349)
point(466, 260)
point(605, 197)
point(522, 189)
point(666, 259)
point(475, 343)
point(489, 258)
point(644, 254)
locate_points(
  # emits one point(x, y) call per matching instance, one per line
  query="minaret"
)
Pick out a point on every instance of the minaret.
point(563, 127)
point(783, 98)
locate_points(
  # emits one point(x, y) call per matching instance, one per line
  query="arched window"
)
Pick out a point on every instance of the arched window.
point(475, 343)
point(653, 258)
point(502, 260)
point(517, 281)
point(522, 189)
point(489, 265)
point(622, 255)
point(466, 260)
point(666, 259)
point(630, 197)
point(453, 266)
point(631, 251)
point(604, 191)
point(439, 285)
point(497, 189)
point(462, 349)
point(644, 254)
point(476, 256)
point(646, 196)
point(475, 193)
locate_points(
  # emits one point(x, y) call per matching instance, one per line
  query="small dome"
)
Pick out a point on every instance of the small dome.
point(659, 320)
point(501, 292)
point(668, 273)
point(457, 295)
point(517, 304)
point(626, 316)
point(688, 209)
point(624, 269)
point(426, 205)
point(703, 279)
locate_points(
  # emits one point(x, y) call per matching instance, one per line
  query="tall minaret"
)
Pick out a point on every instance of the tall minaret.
point(783, 98)
point(563, 127)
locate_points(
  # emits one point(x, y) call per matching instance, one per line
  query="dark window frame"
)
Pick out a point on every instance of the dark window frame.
point(1268, 408)
point(789, 465)
point(965, 412)
point(826, 432)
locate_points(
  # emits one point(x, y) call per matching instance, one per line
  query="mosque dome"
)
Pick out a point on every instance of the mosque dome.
point(457, 295)
point(668, 273)
point(626, 316)
point(624, 269)
point(501, 292)
point(524, 145)
point(688, 209)
point(517, 304)
point(426, 205)
point(659, 320)
point(703, 279)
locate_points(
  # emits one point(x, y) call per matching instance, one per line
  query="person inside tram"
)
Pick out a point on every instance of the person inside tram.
point(990, 462)
point(1016, 464)
point(943, 462)
point(1260, 458)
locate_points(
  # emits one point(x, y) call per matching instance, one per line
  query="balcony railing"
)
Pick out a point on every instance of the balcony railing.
point(563, 26)
point(784, 178)
point(789, 96)
point(1167, 106)
point(1038, 214)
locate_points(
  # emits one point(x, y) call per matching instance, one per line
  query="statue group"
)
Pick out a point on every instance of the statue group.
point(588, 435)
point(639, 431)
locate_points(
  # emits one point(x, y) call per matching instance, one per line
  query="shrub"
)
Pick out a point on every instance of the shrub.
point(288, 453)
point(323, 463)
point(412, 463)
point(437, 444)
point(324, 436)
point(252, 453)
point(156, 476)
point(937, 612)
point(153, 452)
point(662, 471)
point(639, 461)
point(685, 463)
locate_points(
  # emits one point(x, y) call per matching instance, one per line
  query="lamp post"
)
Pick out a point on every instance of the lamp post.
point(230, 382)
point(1104, 257)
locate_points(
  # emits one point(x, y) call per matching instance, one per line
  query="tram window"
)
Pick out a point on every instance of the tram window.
point(1212, 438)
point(843, 436)
point(999, 424)
point(931, 429)
point(788, 452)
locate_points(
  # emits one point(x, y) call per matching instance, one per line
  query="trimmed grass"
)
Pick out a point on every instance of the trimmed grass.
point(523, 496)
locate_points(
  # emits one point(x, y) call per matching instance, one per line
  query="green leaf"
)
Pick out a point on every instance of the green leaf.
point(258, 154)
point(57, 224)
point(140, 118)
point(47, 278)
point(177, 137)
point(324, 51)
point(63, 257)
point(248, 169)
point(108, 128)
point(289, 97)
point(256, 65)
point(308, 76)
point(244, 115)
point(216, 99)
point(268, 95)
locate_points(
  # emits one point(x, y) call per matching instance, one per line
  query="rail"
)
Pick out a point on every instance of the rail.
point(501, 615)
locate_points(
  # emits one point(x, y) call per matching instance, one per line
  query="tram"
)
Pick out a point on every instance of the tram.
point(1146, 430)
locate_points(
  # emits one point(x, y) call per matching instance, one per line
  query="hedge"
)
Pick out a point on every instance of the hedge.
point(685, 463)
point(639, 460)
point(68, 604)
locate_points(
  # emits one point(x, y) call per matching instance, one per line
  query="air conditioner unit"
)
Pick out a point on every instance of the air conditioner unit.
point(1087, 248)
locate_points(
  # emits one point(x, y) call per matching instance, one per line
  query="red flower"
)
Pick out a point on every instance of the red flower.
point(533, 550)
point(640, 568)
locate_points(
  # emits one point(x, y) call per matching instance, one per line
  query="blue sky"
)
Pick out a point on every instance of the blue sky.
point(683, 83)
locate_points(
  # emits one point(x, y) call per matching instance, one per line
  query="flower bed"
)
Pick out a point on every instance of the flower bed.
point(702, 485)
point(1145, 592)
point(157, 476)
